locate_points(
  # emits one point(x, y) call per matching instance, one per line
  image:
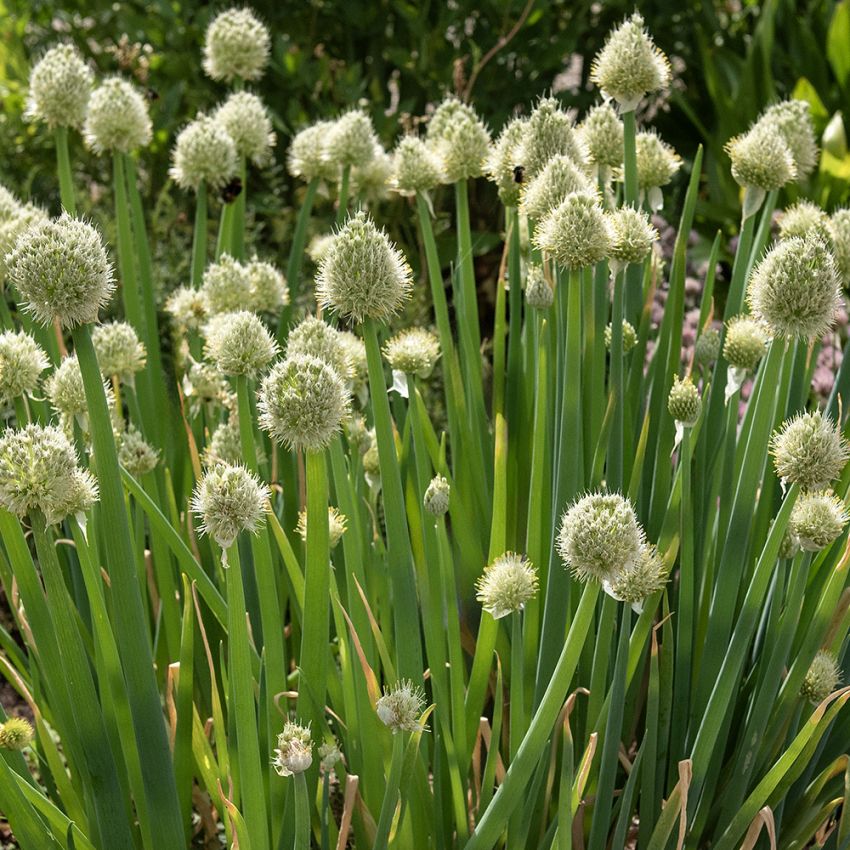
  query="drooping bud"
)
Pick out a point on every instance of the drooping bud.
point(506, 585)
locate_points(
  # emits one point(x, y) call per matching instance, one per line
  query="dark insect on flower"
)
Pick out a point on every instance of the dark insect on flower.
point(519, 173)
point(152, 95)
point(231, 191)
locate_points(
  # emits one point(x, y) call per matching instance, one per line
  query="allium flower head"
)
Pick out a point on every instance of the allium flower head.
point(337, 525)
point(22, 360)
point(401, 707)
point(460, 139)
point(268, 290)
point(229, 500)
point(792, 120)
point(236, 46)
point(205, 382)
point(329, 754)
point(294, 752)
point(416, 168)
point(203, 153)
point(707, 347)
point(60, 88)
point(576, 232)
point(795, 289)
point(414, 351)
point(502, 165)
point(538, 293)
point(372, 181)
point(809, 450)
point(602, 134)
point(804, 218)
point(549, 132)
point(188, 308)
point(65, 390)
point(745, 343)
point(350, 140)
point(117, 118)
point(39, 472)
point(632, 236)
point(239, 343)
point(225, 445)
point(355, 355)
point(822, 678)
point(629, 65)
point(761, 158)
point(135, 454)
point(119, 350)
point(302, 403)
point(363, 275)
point(558, 178)
point(61, 270)
point(839, 231)
point(318, 339)
point(646, 575)
point(657, 164)
point(599, 536)
point(16, 733)
point(506, 585)
point(226, 285)
point(437, 496)
point(306, 157)
point(684, 402)
point(629, 336)
point(245, 118)
point(817, 519)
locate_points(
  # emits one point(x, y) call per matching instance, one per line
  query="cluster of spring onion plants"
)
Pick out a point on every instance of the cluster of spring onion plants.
point(284, 571)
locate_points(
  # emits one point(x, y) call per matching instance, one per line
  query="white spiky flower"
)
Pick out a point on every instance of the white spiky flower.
point(822, 678)
point(603, 136)
point(415, 167)
point(350, 140)
point(294, 751)
point(817, 519)
point(239, 343)
point(576, 232)
point(503, 166)
point(793, 121)
point(557, 179)
point(247, 121)
point(236, 46)
point(400, 708)
point(204, 153)
point(267, 287)
point(460, 139)
point(117, 119)
point(337, 525)
point(413, 351)
point(646, 575)
point(59, 88)
point(316, 338)
point(809, 450)
point(119, 350)
point(506, 585)
point(548, 132)
point(135, 454)
point(761, 158)
point(226, 285)
point(22, 360)
point(188, 308)
point(306, 157)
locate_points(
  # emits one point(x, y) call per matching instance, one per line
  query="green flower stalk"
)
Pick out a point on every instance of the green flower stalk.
point(350, 143)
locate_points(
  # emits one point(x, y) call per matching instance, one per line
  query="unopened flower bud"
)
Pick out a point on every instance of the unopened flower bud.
point(294, 752)
point(745, 343)
point(16, 733)
point(538, 293)
point(684, 402)
point(437, 496)
point(821, 679)
point(629, 336)
point(707, 347)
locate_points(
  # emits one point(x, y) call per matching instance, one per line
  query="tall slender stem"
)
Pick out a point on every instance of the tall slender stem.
point(615, 443)
point(302, 813)
point(237, 233)
point(199, 240)
point(63, 164)
point(296, 253)
point(342, 201)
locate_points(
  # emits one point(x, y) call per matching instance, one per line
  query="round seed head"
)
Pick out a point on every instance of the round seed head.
point(795, 289)
point(745, 343)
point(839, 231)
point(549, 132)
point(684, 402)
point(437, 496)
point(294, 752)
point(245, 118)
point(646, 575)
point(502, 165)
point(135, 454)
point(792, 120)
point(117, 118)
point(538, 294)
point(707, 347)
point(239, 343)
point(599, 536)
point(188, 308)
point(414, 352)
point(25, 217)
point(506, 585)
point(16, 734)
point(61, 270)
point(817, 519)
point(39, 472)
point(22, 360)
point(363, 275)
point(119, 351)
point(804, 218)
point(64, 388)
point(302, 403)
point(337, 525)
point(632, 236)
point(236, 46)
point(350, 141)
point(809, 450)
point(60, 88)
point(629, 65)
point(557, 179)
point(629, 336)
point(229, 500)
point(761, 158)
point(318, 339)
point(306, 157)
point(821, 679)
point(401, 707)
point(657, 162)
point(602, 134)
point(203, 153)
point(460, 139)
point(415, 167)
point(267, 287)
point(226, 285)
point(225, 445)
point(576, 232)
